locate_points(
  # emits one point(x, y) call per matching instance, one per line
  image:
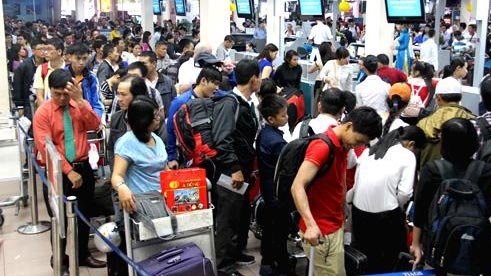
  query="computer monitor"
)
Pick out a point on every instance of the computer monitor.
point(405, 11)
point(244, 8)
point(180, 7)
point(311, 7)
point(157, 10)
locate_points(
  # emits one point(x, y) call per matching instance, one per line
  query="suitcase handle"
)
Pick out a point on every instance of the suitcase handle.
point(175, 251)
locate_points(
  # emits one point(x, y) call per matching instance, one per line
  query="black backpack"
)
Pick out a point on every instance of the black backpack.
point(484, 152)
point(458, 227)
point(289, 161)
point(305, 129)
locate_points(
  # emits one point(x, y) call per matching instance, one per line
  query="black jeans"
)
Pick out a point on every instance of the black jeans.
point(85, 195)
point(232, 226)
point(380, 236)
point(276, 225)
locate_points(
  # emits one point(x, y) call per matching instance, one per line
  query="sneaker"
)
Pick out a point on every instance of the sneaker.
point(245, 259)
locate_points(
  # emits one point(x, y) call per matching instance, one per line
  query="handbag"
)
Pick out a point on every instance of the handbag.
point(151, 205)
point(415, 104)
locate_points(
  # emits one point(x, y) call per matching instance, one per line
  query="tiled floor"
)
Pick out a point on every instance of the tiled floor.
point(29, 254)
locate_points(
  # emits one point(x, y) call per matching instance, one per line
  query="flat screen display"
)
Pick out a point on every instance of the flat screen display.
point(311, 7)
point(244, 8)
point(180, 7)
point(156, 7)
point(404, 11)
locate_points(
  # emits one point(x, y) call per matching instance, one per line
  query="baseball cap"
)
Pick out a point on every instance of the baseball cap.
point(448, 85)
point(207, 59)
point(401, 89)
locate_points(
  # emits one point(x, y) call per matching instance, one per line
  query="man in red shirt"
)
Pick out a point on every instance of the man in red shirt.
point(66, 118)
point(389, 74)
point(322, 206)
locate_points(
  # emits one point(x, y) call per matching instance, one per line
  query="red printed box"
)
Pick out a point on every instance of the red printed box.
point(185, 189)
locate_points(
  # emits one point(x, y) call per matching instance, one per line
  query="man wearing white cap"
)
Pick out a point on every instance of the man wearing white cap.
point(448, 94)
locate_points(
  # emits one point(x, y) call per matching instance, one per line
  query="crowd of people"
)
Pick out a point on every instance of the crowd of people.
point(388, 130)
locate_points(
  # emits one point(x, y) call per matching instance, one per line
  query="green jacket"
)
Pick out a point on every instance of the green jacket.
point(432, 124)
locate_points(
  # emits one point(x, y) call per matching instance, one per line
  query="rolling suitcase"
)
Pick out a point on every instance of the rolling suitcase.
point(355, 262)
point(187, 259)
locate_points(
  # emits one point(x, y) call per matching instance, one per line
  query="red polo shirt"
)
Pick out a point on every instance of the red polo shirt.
point(327, 191)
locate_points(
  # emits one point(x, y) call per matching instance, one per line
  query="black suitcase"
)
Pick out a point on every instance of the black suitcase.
point(355, 262)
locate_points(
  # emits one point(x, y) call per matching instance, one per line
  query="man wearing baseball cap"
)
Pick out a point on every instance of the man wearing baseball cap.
point(448, 94)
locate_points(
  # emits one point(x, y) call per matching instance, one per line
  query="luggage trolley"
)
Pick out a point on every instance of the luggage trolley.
point(195, 226)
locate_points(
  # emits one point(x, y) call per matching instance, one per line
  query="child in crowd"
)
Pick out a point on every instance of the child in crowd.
point(269, 144)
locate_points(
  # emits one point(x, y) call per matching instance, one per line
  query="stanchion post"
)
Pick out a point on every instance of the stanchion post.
point(35, 226)
point(55, 247)
point(129, 250)
point(72, 235)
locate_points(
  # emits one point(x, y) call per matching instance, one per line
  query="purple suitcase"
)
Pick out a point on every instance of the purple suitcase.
point(183, 260)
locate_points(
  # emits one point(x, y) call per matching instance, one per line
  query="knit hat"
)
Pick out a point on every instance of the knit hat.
point(401, 89)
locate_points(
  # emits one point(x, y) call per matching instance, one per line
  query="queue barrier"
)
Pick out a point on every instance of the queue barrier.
point(73, 215)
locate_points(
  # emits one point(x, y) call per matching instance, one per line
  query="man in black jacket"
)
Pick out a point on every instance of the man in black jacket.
point(234, 139)
point(23, 79)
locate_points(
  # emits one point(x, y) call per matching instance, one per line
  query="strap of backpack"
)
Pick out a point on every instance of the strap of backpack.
point(330, 159)
point(474, 170)
point(305, 129)
point(445, 169)
point(484, 127)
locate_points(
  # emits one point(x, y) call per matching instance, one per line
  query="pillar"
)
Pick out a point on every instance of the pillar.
point(4, 90)
point(482, 16)
point(379, 35)
point(80, 10)
point(215, 21)
point(147, 15)
point(275, 27)
point(56, 15)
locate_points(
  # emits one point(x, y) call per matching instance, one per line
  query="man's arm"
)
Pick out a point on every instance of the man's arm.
point(222, 131)
point(94, 98)
point(305, 175)
point(18, 85)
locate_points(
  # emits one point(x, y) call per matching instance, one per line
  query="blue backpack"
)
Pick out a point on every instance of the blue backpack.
point(458, 231)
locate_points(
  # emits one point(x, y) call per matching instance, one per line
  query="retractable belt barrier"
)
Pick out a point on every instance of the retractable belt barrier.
point(30, 154)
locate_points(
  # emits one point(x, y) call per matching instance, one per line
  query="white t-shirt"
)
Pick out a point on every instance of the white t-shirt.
point(320, 33)
point(384, 184)
point(429, 52)
point(188, 73)
point(373, 92)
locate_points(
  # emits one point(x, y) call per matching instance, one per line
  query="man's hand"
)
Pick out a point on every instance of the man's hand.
point(75, 91)
point(172, 165)
point(126, 199)
point(75, 178)
point(312, 235)
point(417, 252)
point(237, 180)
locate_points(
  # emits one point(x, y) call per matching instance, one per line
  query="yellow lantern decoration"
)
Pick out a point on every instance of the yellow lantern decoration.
point(469, 6)
point(344, 6)
point(233, 7)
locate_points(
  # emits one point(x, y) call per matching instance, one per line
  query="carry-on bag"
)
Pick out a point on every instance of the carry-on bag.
point(186, 259)
point(355, 262)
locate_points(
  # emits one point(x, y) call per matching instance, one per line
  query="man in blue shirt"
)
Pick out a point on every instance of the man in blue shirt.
point(260, 32)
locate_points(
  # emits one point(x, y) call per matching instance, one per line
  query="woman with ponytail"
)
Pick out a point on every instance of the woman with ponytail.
point(399, 96)
point(383, 185)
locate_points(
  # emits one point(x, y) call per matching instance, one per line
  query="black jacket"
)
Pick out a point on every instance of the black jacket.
point(23, 79)
point(234, 140)
point(167, 91)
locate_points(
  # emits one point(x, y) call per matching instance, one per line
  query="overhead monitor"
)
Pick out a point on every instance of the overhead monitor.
point(156, 7)
point(180, 7)
point(311, 7)
point(244, 8)
point(405, 11)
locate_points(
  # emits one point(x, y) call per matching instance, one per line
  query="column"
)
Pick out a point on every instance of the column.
point(275, 26)
point(80, 10)
point(56, 11)
point(379, 35)
point(215, 21)
point(147, 15)
point(482, 23)
point(4, 91)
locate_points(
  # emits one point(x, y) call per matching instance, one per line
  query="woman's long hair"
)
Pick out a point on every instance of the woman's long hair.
point(266, 53)
point(409, 133)
point(141, 114)
point(396, 105)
